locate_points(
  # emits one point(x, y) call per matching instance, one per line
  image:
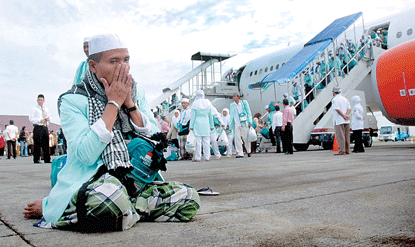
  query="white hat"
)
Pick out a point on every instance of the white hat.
point(285, 94)
point(87, 39)
point(185, 100)
point(336, 89)
point(266, 107)
point(105, 42)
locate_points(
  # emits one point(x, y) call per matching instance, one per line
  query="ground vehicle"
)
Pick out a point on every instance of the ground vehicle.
point(394, 133)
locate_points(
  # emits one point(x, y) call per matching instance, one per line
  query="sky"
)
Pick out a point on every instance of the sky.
point(41, 41)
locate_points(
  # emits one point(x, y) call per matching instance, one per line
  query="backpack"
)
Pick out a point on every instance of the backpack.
point(146, 154)
point(57, 164)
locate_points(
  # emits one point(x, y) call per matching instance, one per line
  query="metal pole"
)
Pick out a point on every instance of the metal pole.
point(213, 73)
point(220, 76)
point(355, 41)
point(193, 79)
point(275, 91)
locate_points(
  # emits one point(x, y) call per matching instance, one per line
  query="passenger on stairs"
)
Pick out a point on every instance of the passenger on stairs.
point(309, 85)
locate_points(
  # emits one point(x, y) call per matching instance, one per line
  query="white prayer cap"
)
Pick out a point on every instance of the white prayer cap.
point(266, 107)
point(105, 42)
point(285, 94)
point(336, 89)
point(87, 39)
point(185, 100)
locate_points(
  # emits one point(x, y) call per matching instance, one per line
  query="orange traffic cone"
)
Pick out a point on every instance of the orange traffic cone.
point(335, 145)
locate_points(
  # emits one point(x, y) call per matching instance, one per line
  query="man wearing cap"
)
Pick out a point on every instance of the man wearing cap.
point(83, 67)
point(341, 121)
point(98, 116)
point(240, 121)
point(183, 126)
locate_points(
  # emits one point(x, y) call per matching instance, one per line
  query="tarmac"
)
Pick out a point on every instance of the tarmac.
point(311, 198)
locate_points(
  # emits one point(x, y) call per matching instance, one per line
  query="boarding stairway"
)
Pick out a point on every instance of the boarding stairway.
point(316, 110)
point(197, 78)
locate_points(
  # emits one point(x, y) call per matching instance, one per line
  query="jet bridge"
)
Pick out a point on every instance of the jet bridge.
point(316, 110)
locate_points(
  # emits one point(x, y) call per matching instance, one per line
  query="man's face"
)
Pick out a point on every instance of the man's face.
point(86, 49)
point(268, 110)
point(224, 113)
point(40, 101)
point(185, 105)
point(235, 97)
point(109, 61)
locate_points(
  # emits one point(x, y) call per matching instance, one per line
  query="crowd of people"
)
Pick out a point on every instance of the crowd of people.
point(15, 142)
point(206, 124)
point(227, 133)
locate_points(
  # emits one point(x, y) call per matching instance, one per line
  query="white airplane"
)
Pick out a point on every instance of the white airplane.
point(394, 96)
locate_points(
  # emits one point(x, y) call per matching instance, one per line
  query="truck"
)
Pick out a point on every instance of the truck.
point(394, 133)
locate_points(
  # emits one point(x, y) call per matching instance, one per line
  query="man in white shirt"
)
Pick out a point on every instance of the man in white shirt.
point(276, 127)
point(12, 132)
point(40, 118)
point(240, 121)
point(183, 127)
point(341, 121)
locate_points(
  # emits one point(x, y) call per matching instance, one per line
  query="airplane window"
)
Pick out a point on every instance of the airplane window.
point(409, 32)
point(277, 66)
point(266, 70)
point(260, 71)
point(282, 64)
point(398, 35)
point(272, 67)
point(256, 72)
point(250, 74)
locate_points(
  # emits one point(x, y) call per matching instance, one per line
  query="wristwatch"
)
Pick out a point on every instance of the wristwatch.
point(128, 110)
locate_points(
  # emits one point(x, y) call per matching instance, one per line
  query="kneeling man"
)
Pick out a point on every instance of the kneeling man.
point(98, 115)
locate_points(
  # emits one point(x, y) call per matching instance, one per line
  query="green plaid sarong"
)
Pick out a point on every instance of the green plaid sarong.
point(171, 201)
point(168, 201)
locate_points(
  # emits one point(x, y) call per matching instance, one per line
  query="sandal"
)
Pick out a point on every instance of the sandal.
point(207, 192)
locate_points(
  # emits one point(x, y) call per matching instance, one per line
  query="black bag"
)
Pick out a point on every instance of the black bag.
point(184, 129)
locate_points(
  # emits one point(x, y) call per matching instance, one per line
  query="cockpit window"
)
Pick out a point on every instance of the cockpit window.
point(272, 67)
point(266, 70)
point(409, 32)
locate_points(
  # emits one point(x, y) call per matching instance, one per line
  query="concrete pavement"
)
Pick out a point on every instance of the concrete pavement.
point(311, 198)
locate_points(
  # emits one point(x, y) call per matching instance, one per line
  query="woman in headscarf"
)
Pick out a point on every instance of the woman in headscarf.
point(173, 130)
point(201, 123)
point(357, 124)
point(226, 119)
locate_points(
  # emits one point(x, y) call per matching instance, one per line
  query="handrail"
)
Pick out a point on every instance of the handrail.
point(328, 73)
